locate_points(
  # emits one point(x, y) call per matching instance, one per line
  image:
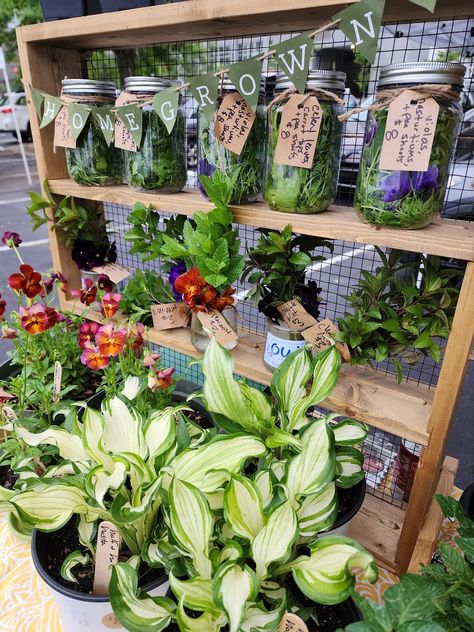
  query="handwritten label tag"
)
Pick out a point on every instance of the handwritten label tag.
point(292, 623)
point(319, 336)
point(111, 621)
point(122, 137)
point(9, 414)
point(169, 315)
point(215, 323)
point(114, 271)
point(58, 374)
point(409, 133)
point(295, 315)
point(234, 121)
point(107, 554)
point(298, 132)
point(62, 130)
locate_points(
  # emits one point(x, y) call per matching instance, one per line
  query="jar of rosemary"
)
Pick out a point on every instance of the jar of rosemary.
point(160, 163)
point(92, 161)
point(297, 189)
point(409, 199)
point(246, 169)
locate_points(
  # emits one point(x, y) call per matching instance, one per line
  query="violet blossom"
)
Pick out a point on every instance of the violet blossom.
point(425, 180)
point(204, 168)
point(177, 270)
point(395, 186)
point(370, 131)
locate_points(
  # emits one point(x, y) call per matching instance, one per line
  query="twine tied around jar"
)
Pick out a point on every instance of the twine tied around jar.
point(319, 93)
point(385, 97)
point(67, 99)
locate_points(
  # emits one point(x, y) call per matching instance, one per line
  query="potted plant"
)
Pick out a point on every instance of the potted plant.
point(276, 268)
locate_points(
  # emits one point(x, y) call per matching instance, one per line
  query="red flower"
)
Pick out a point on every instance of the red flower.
point(135, 335)
point(104, 283)
point(8, 333)
point(150, 359)
point(3, 306)
point(63, 284)
point(34, 319)
point(196, 292)
point(88, 294)
point(47, 286)
point(160, 379)
point(93, 358)
point(87, 332)
point(110, 341)
point(110, 304)
point(53, 316)
point(12, 240)
point(27, 280)
point(223, 300)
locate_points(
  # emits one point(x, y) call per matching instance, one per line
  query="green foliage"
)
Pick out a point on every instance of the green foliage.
point(440, 599)
point(142, 291)
point(15, 13)
point(393, 317)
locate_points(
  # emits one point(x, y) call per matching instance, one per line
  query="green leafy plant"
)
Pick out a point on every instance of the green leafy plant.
point(439, 599)
point(276, 268)
point(395, 316)
point(143, 290)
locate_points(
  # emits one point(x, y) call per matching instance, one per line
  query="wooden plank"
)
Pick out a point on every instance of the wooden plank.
point(449, 238)
point(204, 19)
point(374, 398)
point(428, 537)
point(442, 411)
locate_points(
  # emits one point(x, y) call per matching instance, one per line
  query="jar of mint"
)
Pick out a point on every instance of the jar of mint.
point(400, 198)
point(293, 189)
point(159, 164)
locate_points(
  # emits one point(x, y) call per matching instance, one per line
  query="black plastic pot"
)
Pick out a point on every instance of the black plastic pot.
point(344, 614)
point(8, 370)
point(467, 500)
point(354, 497)
point(61, 9)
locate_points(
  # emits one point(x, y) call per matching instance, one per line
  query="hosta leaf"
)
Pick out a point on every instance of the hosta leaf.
point(257, 619)
point(99, 481)
point(349, 432)
point(72, 560)
point(86, 532)
point(207, 622)
point(318, 511)
point(124, 511)
point(349, 464)
point(122, 428)
point(92, 438)
point(232, 587)
point(231, 551)
point(160, 429)
point(290, 379)
point(131, 387)
point(135, 611)
point(264, 483)
point(196, 593)
point(69, 445)
point(243, 507)
point(275, 540)
point(192, 523)
point(326, 576)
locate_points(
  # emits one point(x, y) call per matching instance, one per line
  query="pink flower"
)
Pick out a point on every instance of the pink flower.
point(110, 341)
point(12, 240)
point(135, 335)
point(34, 319)
point(150, 359)
point(88, 294)
point(159, 380)
point(110, 304)
point(8, 333)
point(93, 358)
point(87, 332)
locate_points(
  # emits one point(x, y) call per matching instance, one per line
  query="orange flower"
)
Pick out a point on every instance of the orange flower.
point(27, 280)
point(223, 300)
point(110, 304)
point(87, 332)
point(93, 358)
point(110, 341)
point(196, 292)
point(159, 380)
point(34, 319)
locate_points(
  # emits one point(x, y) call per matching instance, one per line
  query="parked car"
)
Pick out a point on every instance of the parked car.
point(17, 101)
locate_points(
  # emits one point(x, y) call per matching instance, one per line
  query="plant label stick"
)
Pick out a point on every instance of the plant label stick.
point(114, 271)
point(58, 374)
point(320, 336)
point(292, 623)
point(107, 554)
point(295, 315)
point(169, 315)
point(215, 323)
point(298, 132)
point(234, 120)
point(9, 414)
point(409, 133)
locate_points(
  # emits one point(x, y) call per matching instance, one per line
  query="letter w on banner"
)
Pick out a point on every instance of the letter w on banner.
point(293, 58)
point(361, 24)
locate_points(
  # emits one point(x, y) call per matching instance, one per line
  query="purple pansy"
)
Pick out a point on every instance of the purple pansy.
point(370, 132)
point(395, 186)
point(204, 168)
point(423, 180)
point(178, 269)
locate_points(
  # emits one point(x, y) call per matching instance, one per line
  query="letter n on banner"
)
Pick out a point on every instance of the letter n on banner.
point(361, 24)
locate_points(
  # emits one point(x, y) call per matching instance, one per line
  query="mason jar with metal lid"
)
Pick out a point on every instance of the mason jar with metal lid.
point(294, 189)
point(409, 199)
point(244, 170)
point(92, 161)
point(160, 163)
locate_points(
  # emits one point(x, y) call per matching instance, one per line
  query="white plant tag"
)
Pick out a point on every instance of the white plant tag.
point(107, 554)
point(58, 374)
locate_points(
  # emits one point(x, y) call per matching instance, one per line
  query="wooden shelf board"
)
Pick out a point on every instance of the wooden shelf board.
point(203, 19)
point(449, 238)
point(367, 395)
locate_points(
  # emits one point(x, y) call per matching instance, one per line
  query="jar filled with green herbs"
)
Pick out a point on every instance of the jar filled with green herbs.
point(92, 161)
point(244, 171)
point(159, 164)
point(294, 189)
point(402, 198)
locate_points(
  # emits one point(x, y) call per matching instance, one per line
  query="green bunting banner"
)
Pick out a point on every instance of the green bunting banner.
point(246, 76)
point(426, 4)
point(132, 118)
point(361, 24)
point(293, 57)
point(78, 115)
point(37, 98)
point(51, 108)
point(165, 104)
point(104, 118)
point(204, 90)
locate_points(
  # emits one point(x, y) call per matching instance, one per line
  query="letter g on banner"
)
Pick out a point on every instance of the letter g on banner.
point(165, 104)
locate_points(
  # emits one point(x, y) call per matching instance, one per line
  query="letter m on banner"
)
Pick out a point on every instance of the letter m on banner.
point(361, 24)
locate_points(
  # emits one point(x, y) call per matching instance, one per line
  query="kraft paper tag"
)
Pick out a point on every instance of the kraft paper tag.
point(169, 315)
point(58, 374)
point(234, 120)
point(409, 133)
point(292, 623)
point(107, 554)
point(298, 132)
point(111, 621)
point(114, 271)
point(9, 414)
point(62, 130)
point(215, 323)
point(122, 137)
point(319, 336)
point(295, 315)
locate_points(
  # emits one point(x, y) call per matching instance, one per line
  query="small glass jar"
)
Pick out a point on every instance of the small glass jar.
point(249, 164)
point(92, 161)
point(280, 341)
point(297, 189)
point(159, 165)
point(408, 199)
point(199, 336)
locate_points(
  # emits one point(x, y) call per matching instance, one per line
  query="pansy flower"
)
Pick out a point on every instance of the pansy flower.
point(63, 284)
point(150, 359)
point(223, 300)
point(110, 341)
point(370, 131)
point(104, 283)
point(196, 292)
point(159, 380)
point(395, 186)
point(88, 294)
point(53, 316)
point(12, 240)
point(177, 270)
point(27, 281)
point(204, 168)
point(47, 285)
point(93, 357)
point(425, 180)
point(87, 332)
point(3, 306)
point(135, 335)
point(110, 304)
point(34, 319)
point(8, 333)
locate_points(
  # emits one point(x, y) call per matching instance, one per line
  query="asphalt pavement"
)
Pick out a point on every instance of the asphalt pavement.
point(14, 198)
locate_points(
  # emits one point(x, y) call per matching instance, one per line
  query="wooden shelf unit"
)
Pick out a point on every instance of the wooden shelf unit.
point(50, 51)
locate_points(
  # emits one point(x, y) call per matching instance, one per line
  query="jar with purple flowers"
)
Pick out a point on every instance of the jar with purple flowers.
point(409, 199)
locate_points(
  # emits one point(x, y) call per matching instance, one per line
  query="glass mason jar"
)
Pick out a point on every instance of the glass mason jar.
point(199, 336)
point(213, 155)
point(408, 199)
point(160, 162)
point(296, 189)
point(280, 341)
point(92, 161)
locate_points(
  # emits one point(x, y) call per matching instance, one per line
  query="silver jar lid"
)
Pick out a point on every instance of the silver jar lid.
point(423, 72)
point(325, 79)
point(89, 86)
point(147, 84)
